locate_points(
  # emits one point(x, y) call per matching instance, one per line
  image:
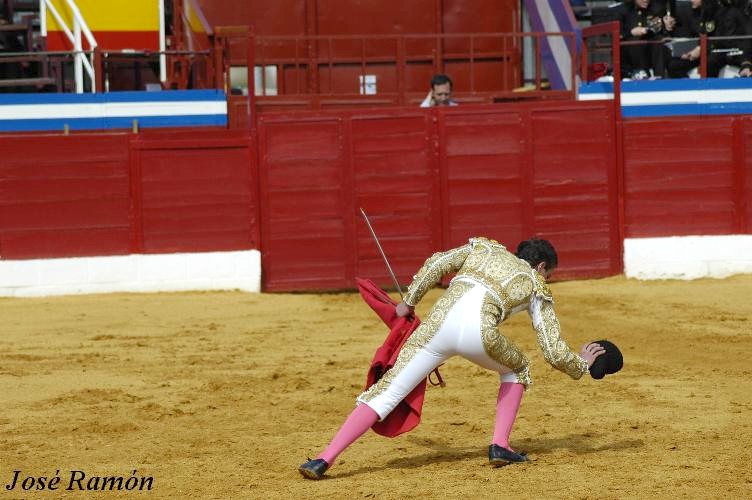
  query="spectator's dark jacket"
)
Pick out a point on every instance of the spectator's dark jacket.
point(632, 16)
point(728, 21)
point(691, 23)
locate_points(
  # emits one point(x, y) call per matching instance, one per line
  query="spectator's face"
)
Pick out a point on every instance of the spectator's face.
point(696, 4)
point(442, 94)
point(643, 4)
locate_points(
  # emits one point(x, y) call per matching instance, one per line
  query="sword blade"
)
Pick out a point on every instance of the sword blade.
point(383, 255)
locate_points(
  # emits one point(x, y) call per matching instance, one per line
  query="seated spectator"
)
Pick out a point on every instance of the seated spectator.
point(729, 21)
point(689, 24)
point(440, 93)
point(647, 21)
point(716, 19)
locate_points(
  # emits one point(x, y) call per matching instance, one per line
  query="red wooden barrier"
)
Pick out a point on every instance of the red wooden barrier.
point(686, 176)
point(430, 179)
point(535, 169)
point(194, 192)
point(114, 194)
point(64, 196)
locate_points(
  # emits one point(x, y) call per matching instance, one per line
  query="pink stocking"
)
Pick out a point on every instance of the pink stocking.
point(507, 404)
point(359, 421)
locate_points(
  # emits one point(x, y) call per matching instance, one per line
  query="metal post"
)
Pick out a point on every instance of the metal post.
point(98, 81)
point(78, 65)
point(537, 39)
point(162, 44)
point(43, 17)
point(573, 68)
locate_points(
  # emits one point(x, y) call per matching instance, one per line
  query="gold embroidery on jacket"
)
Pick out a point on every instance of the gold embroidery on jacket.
point(541, 287)
point(438, 265)
point(497, 346)
point(555, 350)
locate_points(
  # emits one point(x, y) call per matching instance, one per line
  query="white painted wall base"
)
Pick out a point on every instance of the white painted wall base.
point(132, 273)
point(687, 257)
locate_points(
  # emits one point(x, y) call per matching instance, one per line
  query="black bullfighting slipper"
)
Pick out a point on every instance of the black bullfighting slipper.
point(314, 469)
point(498, 456)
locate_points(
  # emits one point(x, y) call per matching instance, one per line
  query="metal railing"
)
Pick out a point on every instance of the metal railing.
point(113, 70)
point(485, 67)
point(133, 70)
point(79, 27)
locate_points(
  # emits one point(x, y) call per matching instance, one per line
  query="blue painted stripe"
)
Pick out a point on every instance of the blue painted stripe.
point(669, 85)
point(705, 97)
point(163, 96)
point(729, 108)
point(661, 110)
point(52, 98)
point(566, 21)
point(112, 123)
point(167, 121)
point(548, 61)
point(597, 88)
point(167, 96)
point(556, 16)
point(560, 14)
point(93, 110)
point(51, 124)
point(657, 110)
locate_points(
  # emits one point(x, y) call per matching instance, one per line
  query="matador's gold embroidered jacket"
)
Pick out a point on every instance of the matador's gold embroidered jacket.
point(514, 286)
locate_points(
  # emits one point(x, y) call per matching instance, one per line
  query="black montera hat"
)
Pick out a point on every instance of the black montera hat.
point(609, 362)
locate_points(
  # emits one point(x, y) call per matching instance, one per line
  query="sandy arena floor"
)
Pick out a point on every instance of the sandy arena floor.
point(223, 395)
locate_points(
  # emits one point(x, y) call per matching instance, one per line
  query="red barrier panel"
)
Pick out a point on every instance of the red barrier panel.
point(430, 179)
point(686, 176)
point(64, 196)
point(302, 183)
point(115, 194)
point(540, 170)
point(197, 192)
point(395, 175)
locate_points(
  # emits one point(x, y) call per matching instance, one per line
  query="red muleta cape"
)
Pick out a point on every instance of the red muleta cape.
point(406, 416)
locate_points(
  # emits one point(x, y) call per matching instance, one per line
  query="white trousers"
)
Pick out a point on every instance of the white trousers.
point(459, 334)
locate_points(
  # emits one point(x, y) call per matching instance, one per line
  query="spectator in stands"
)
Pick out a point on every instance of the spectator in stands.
point(729, 21)
point(690, 24)
point(646, 21)
point(716, 19)
point(440, 93)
